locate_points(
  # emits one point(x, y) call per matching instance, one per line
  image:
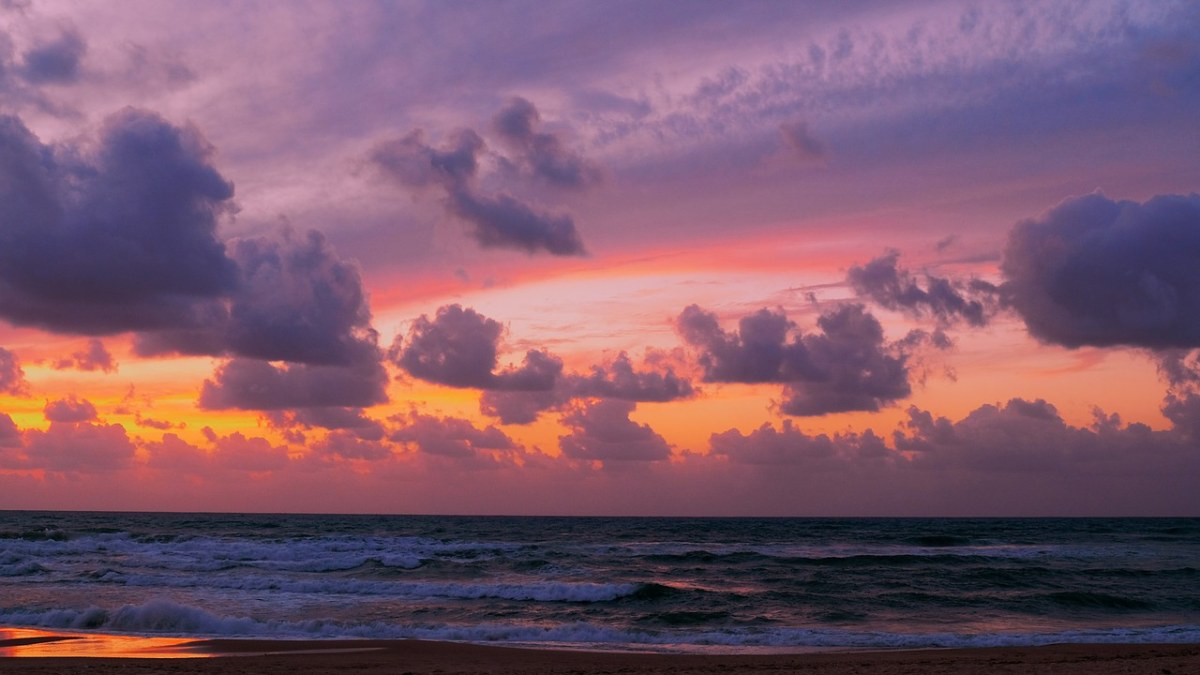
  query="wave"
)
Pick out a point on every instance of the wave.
point(166, 617)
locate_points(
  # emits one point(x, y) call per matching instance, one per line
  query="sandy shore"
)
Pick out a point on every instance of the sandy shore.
point(375, 657)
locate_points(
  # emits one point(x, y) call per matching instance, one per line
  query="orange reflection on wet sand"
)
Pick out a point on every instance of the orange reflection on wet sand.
point(28, 642)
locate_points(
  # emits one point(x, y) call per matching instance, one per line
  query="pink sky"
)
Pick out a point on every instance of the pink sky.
point(607, 258)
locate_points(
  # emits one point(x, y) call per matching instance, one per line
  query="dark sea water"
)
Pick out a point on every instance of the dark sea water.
point(619, 583)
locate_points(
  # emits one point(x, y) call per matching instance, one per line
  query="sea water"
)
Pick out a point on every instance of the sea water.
point(691, 584)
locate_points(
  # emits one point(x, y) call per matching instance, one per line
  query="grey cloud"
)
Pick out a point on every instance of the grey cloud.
point(885, 283)
point(349, 445)
point(542, 154)
point(249, 384)
point(601, 430)
point(1093, 271)
point(12, 377)
point(520, 407)
point(847, 366)
point(458, 348)
point(69, 411)
point(499, 220)
point(351, 421)
point(618, 379)
point(113, 237)
point(95, 357)
point(55, 62)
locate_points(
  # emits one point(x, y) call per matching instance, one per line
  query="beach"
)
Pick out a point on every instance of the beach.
point(418, 657)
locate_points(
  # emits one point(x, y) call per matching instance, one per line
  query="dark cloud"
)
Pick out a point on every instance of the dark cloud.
point(885, 283)
point(502, 221)
point(350, 420)
point(1093, 271)
point(451, 437)
point(12, 377)
point(520, 407)
point(249, 384)
point(601, 430)
point(847, 366)
point(540, 153)
point(458, 348)
point(115, 236)
point(10, 436)
point(95, 357)
point(499, 220)
point(161, 425)
point(346, 444)
point(801, 142)
point(55, 62)
point(69, 411)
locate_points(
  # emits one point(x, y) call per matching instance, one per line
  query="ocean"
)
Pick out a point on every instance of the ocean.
point(657, 584)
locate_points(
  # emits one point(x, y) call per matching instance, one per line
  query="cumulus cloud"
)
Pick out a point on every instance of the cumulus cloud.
point(620, 380)
point(349, 420)
point(541, 154)
point(1094, 271)
point(459, 348)
point(71, 447)
point(69, 410)
point(113, 236)
point(847, 366)
point(791, 446)
point(54, 62)
point(12, 376)
point(496, 220)
point(520, 407)
point(94, 357)
point(882, 281)
point(451, 437)
point(601, 430)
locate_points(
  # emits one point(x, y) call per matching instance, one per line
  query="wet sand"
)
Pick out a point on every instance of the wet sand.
point(414, 657)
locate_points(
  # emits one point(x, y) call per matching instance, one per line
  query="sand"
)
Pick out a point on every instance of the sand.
point(400, 657)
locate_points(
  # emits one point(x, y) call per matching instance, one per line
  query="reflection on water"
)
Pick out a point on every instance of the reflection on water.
point(24, 642)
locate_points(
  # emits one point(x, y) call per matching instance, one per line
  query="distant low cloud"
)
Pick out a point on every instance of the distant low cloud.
point(449, 437)
point(790, 446)
point(497, 220)
point(250, 384)
point(77, 447)
point(70, 410)
point(601, 430)
point(846, 366)
point(1093, 271)
point(94, 357)
point(12, 376)
point(882, 281)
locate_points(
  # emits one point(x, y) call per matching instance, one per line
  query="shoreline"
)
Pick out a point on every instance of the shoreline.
point(50, 652)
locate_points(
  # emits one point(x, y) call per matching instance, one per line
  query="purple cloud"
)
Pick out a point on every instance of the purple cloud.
point(450, 437)
point(1093, 271)
point(70, 411)
point(95, 357)
point(847, 366)
point(601, 430)
point(12, 377)
point(54, 62)
point(541, 154)
point(249, 384)
point(882, 281)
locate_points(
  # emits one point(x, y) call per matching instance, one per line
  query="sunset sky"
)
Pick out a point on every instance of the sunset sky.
point(702, 258)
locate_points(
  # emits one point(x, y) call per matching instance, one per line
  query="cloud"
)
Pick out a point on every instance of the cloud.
point(499, 220)
point(12, 377)
point(113, 236)
point(94, 357)
point(789, 446)
point(346, 444)
point(1093, 271)
point(249, 384)
point(540, 153)
point(601, 430)
point(71, 447)
point(349, 420)
point(250, 454)
point(450, 437)
point(520, 407)
point(847, 366)
point(801, 142)
point(10, 436)
point(458, 348)
point(70, 410)
point(883, 282)
point(55, 62)
point(618, 379)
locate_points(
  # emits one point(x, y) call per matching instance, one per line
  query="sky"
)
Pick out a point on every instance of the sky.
point(621, 258)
